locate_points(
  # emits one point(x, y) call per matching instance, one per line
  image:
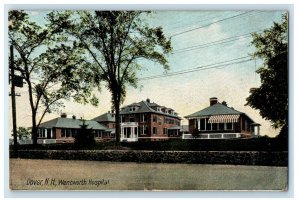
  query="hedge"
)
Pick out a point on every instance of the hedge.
point(261, 158)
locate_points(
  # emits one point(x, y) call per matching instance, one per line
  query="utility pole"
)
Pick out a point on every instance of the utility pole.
point(13, 100)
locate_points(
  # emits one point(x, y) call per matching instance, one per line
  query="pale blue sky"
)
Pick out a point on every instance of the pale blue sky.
point(190, 92)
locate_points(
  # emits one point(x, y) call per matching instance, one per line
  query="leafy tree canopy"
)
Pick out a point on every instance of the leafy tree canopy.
point(53, 67)
point(271, 98)
point(114, 42)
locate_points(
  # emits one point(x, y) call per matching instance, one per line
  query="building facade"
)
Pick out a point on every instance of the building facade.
point(148, 121)
point(107, 119)
point(63, 130)
point(218, 121)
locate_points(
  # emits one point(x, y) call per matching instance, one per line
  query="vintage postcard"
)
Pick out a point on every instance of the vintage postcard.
point(148, 100)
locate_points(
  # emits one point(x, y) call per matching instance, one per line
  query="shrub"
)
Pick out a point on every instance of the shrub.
point(85, 136)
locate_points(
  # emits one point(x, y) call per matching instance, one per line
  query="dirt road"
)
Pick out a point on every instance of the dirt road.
point(28, 174)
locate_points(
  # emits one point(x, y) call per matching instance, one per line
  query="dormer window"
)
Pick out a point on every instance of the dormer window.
point(158, 109)
point(133, 108)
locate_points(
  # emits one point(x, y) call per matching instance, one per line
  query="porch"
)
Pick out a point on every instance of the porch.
point(129, 132)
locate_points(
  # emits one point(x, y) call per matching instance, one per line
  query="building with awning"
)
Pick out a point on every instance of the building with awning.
point(218, 121)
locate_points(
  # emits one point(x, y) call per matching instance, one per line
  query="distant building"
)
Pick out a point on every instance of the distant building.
point(148, 121)
point(218, 121)
point(108, 119)
point(63, 130)
point(176, 131)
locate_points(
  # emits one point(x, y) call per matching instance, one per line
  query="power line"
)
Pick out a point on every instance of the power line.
point(221, 20)
point(190, 24)
point(221, 41)
point(204, 67)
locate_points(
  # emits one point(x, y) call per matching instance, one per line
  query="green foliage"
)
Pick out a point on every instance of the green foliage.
point(23, 133)
point(114, 41)
point(271, 98)
point(85, 136)
point(53, 68)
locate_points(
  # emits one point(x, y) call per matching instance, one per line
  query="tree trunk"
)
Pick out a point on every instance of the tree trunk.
point(118, 128)
point(34, 130)
point(116, 95)
point(33, 112)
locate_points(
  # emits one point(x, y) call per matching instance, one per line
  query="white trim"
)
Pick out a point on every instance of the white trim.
point(156, 137)
point(208, 136)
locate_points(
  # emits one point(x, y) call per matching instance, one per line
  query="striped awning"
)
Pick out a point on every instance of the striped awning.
point(224, 118)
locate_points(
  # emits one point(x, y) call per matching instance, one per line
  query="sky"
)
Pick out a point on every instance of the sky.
point(200, 45)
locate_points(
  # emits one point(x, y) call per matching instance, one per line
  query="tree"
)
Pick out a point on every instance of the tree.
point(271, 98)
point(23, 133)
point(115, 40)
point(53, 68)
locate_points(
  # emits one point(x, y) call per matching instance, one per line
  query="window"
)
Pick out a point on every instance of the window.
point(63, 132)
point(145, 130)
point(145, 117)
point(202, 124)
point(122, 119)
point(208, 126)
point(159, 120)
point(131, 119)
point(154, 118)
point(98, 133)
point(136, 130)
point(154, 130)
point(165, 130)
point(221, 126)
point(229, 126)
point(41, 133)
point(214, 126)
point(74, 132)
point(142, 118)
point(68, 133)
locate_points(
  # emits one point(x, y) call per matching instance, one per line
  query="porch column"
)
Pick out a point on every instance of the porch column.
point(198, 124)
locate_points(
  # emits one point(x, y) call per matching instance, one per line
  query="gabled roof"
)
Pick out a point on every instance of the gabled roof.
point(71, 123)
point(216, 109)
point(145, 107)
point(107, 117)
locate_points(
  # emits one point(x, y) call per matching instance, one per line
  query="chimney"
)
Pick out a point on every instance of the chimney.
point(73, 117)
point(148, 100)
point(213, 100)
point(224, 103)
point(63, 115)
